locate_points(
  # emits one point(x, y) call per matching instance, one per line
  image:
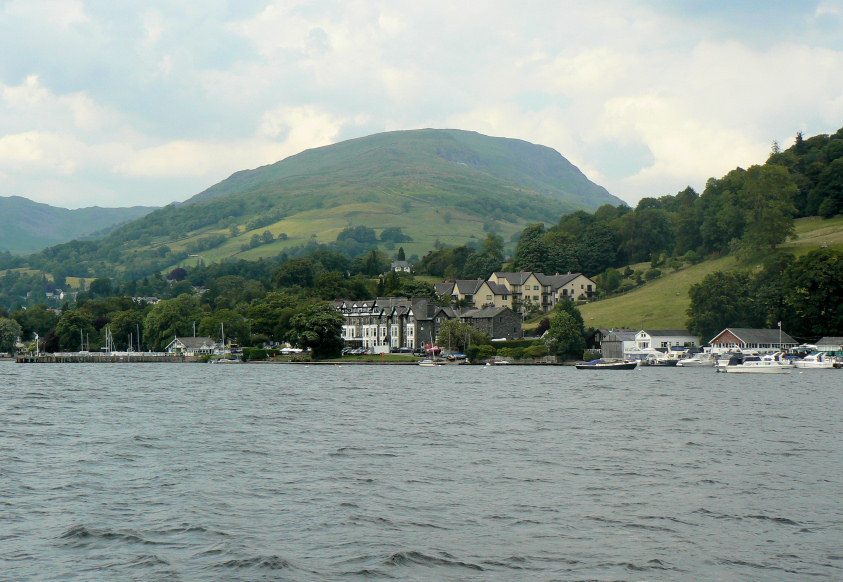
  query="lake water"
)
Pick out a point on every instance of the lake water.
point(271, 472)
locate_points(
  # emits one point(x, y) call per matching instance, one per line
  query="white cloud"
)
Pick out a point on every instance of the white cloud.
point(56, 13)
point(169, 97)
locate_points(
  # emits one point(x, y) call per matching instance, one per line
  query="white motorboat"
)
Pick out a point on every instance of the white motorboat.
point(766, 364)
point(816, 360)
point(429, 363)
point(702, 359)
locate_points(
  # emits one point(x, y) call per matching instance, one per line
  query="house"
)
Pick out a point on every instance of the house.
point(833, 345)
point(524, 288)
point(571, 286)
point(752, 339)
point(391, 322)
point(400, 322)
point(192, 346)
point(615, 343)
point(475, 292)
point(498, 322)
point(146, 300)
point(401, 267)
point(664, 339)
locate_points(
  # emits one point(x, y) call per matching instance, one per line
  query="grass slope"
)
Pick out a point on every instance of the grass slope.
point(448, 186)
point(663, 303)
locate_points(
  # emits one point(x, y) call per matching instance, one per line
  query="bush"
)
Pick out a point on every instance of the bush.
point(472, 352)
point(589, 355)
point(652, 274)
point(515, 353)
point(254, 354)
point(519, 343)
point(536, 351)
point(487, 351)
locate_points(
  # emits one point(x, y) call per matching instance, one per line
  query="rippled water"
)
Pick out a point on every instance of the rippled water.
point(262, 472)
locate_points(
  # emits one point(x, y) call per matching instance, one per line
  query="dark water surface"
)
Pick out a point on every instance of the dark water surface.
point(198, 472)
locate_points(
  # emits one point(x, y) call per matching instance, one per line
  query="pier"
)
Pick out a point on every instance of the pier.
point(107, 358)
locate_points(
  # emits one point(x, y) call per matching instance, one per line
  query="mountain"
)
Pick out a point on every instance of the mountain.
point(443, 158)
point(29, 226)
point(446, 186)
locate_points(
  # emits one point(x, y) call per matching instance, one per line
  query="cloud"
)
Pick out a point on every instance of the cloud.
point(162, 99)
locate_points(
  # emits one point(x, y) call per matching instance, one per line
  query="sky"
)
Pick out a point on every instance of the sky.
point(120, 103)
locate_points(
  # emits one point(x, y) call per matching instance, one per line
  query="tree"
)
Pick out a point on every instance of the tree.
point(9, 333)
point(722, 300)
point(37, 319)
point(270, 316)
point(124, 324)
point(319, 328)
point(76, 330)
point(813, 294)
point(100, 288)
point(543, 326)
point(531, 254)
point(768, 194)
point(295, 272)
point(371, 264)
point(401, 256)
point(225, 321)
point(566, 335)
point(458, 335)
point(826, 199)
point(177, 274)
point(170, 318)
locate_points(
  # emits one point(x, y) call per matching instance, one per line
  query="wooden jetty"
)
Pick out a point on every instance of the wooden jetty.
point(95, 358)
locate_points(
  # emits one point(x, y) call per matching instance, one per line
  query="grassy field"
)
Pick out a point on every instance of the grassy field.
point(663, 303)
point(659, 304)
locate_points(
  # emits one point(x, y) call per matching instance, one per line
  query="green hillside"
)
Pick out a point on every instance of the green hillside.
point(448, 186)
point(662, 303)
point(29, 226)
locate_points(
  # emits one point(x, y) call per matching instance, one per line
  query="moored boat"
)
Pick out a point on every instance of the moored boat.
point(702, 359)
point(816, 360)
point(603, 364)
point(766, 364)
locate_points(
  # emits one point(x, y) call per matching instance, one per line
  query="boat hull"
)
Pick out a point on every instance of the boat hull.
point(608, 366)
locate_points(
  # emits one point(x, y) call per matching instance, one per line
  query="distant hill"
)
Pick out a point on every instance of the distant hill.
point(30, 226)
point(445, 159)
point(448, 186)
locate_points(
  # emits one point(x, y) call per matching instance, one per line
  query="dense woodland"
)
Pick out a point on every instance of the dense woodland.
point(746, 212)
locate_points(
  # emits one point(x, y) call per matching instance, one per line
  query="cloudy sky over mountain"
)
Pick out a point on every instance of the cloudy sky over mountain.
point(124, 103)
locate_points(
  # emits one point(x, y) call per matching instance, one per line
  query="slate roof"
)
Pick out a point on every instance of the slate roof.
point(514, 278)
point(620, 336)
point(446, 288)
point(468, 286)
point(830, 341)
point(674, 332)
point(485, 313)
point(193, 343)
point(556, 281)
point(758, 336)
point(497, 288)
